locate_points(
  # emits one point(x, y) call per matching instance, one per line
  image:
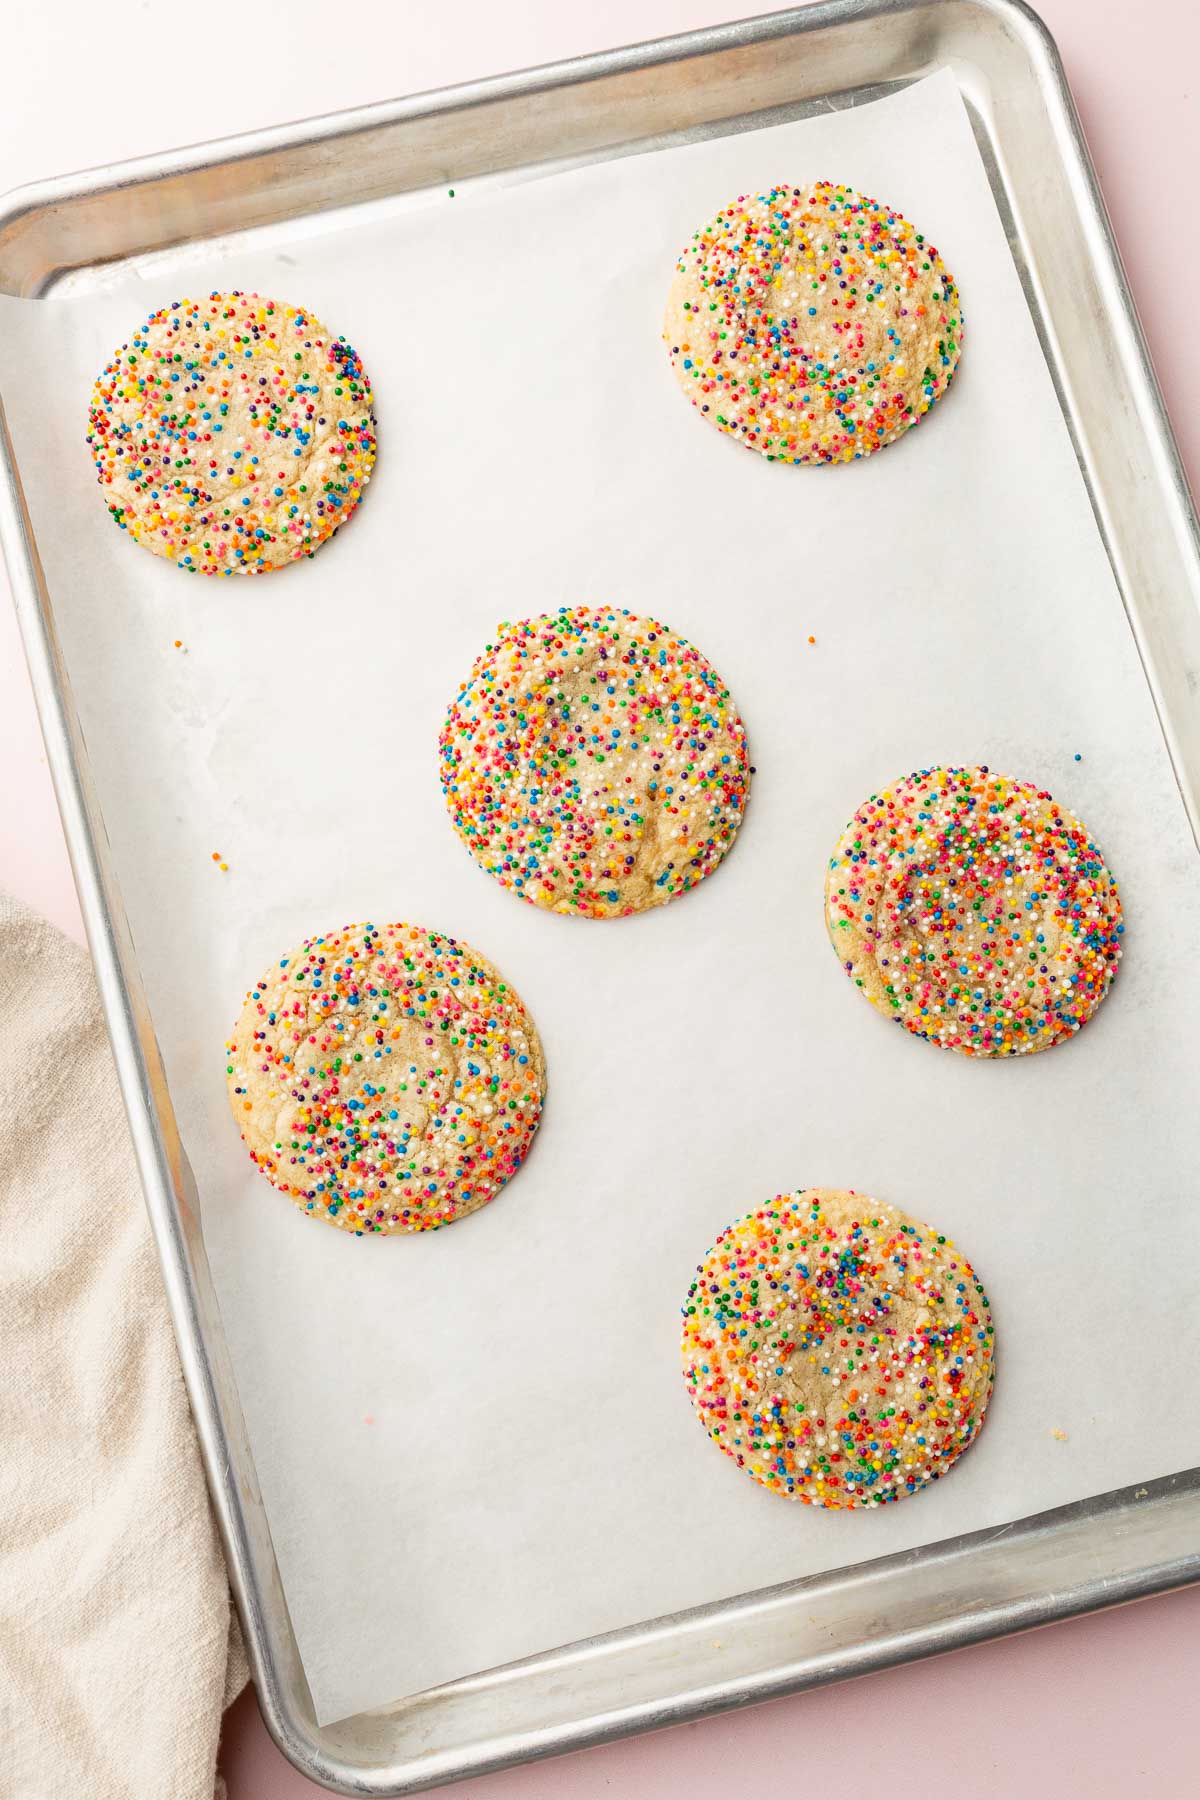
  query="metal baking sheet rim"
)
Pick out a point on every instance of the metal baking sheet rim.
point(1093, 1553)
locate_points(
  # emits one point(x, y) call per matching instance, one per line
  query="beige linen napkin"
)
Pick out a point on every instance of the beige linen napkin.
point(118, 1647)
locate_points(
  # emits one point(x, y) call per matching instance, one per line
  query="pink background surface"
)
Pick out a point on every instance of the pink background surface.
point(1098, 1707)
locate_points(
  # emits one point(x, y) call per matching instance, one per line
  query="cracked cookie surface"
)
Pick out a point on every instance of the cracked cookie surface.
point(386, 1078)
point(232, 435)
point(594, 762)
point(975, 911)
point(838, 1350)
point(813, 324)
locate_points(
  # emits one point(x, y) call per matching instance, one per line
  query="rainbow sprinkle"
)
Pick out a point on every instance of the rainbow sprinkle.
point(839, 1351)
point(812, 323)
point(386, 1078)
point(594, 763)
point(232, 435)
point(974, 911)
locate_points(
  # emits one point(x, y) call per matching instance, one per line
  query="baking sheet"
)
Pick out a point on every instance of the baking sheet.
point(475, 1444)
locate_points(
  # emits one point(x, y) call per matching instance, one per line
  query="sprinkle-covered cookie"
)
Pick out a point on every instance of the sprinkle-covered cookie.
point(839, 1351)
point(386, 1078)
point(594, 762)
point(232, 434)
point(975, 911)
point(813, 324)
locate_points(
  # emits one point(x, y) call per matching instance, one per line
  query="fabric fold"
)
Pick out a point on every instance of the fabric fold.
point(118, 1645)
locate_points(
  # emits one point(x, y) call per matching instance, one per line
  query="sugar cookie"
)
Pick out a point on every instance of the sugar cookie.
point(812, 324)
point(975, 911)
point(386, 1078)
point(232, 434)
point(840, 1351)
point(594, 762)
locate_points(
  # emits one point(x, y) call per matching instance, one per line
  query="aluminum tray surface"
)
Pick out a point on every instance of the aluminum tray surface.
point(1089, 1554)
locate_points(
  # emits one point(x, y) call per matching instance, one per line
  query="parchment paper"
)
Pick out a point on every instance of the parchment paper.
point(475, 1444)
